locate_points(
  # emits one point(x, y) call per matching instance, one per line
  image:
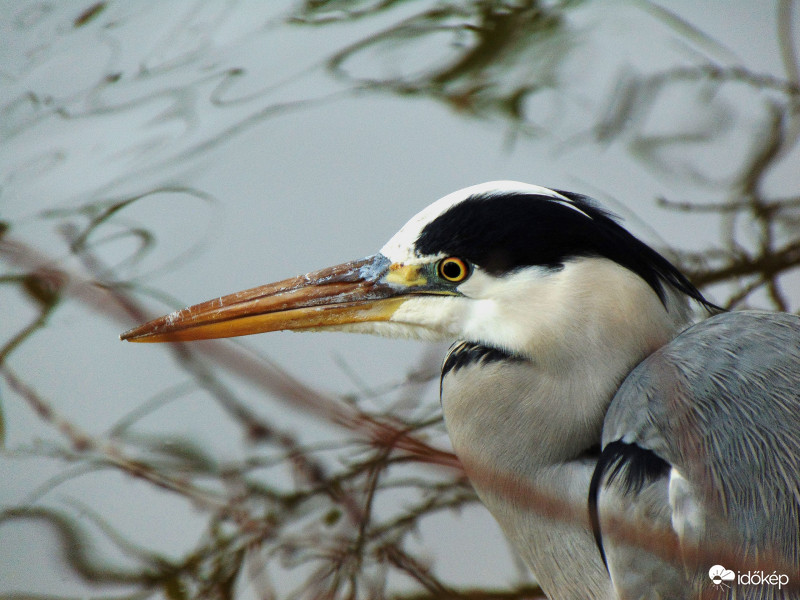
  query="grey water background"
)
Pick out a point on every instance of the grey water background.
point(259, 145)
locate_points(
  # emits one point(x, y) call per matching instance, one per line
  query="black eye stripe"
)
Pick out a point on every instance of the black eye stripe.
point(505, 231)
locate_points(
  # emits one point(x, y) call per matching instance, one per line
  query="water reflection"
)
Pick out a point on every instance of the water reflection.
point(110, 117)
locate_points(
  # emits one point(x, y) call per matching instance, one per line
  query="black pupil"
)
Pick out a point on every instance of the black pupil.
point(452, 270)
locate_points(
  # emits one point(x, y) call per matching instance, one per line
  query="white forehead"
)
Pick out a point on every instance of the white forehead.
point(401, 247)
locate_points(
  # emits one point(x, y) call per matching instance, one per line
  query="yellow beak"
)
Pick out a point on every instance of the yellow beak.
point(370, 289)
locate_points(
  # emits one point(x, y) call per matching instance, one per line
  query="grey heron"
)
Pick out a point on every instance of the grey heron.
point(578, 368)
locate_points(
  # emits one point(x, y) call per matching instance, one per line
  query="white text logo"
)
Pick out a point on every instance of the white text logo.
point(719, 575)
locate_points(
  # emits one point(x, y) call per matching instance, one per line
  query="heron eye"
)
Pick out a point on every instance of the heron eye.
point(453, 269)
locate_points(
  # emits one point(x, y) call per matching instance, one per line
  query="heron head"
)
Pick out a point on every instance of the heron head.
point(503, 263)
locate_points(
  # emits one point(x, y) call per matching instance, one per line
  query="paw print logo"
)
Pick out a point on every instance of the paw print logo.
point(720, 574)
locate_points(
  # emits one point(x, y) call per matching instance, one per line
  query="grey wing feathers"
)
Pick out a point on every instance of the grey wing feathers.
point(721, 405)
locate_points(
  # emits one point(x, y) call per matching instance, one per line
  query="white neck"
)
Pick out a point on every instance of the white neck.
point(582, 330)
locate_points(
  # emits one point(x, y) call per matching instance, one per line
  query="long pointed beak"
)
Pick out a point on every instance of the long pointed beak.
point(353, 292)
